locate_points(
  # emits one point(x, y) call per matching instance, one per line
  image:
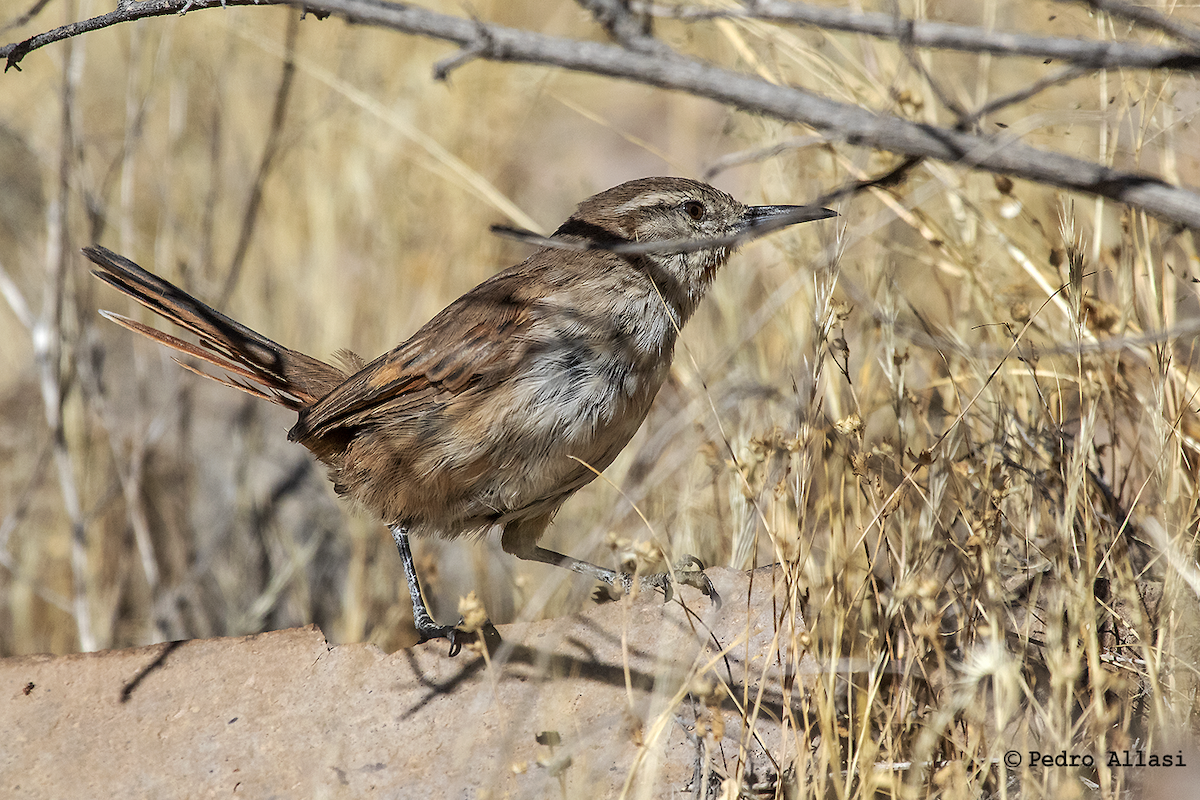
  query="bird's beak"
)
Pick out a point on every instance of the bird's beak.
point(775, 217)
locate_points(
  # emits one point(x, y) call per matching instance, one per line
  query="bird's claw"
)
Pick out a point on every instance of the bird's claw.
point(458, 636)
point(689, 571)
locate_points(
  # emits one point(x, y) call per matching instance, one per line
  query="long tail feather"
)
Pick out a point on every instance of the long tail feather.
point(271, 371)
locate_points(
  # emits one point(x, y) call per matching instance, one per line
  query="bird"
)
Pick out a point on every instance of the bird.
point(511, 399)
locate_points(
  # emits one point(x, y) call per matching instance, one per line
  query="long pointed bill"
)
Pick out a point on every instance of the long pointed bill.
point(770, 218)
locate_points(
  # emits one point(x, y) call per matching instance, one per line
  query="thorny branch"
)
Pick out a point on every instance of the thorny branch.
point(668, 69)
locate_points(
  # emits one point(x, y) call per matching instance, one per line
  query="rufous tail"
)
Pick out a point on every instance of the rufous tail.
point(262, 367)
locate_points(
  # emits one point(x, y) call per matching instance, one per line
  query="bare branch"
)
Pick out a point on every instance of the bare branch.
point(469, 52)
point(124, 12)
point(837, 121)
point(1146, 17)
point(951, 36)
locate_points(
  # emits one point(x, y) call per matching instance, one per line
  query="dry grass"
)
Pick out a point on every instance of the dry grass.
point(993, 521)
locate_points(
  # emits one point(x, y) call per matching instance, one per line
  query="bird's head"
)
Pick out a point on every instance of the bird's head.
point(680, 211)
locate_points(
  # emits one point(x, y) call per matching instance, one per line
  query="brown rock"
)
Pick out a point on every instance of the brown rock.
point(284, 714)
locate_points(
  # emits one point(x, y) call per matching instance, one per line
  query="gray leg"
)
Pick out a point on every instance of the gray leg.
point(426, 627)
point(689, 571)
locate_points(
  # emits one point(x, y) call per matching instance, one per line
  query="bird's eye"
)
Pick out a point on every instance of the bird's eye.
point(694, 209)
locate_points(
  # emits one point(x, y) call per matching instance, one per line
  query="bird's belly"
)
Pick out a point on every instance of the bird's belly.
point(565, 423)
point(565, 416)
point(521, 447)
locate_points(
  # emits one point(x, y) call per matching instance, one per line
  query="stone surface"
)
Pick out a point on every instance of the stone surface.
point(283, 714)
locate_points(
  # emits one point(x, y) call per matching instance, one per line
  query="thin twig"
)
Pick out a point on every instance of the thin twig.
point(756, 154)
point(25, 18)
point(270, 153)
point(1065, 75)
point(630, 248)
point(1146, 17)
point(48, 340)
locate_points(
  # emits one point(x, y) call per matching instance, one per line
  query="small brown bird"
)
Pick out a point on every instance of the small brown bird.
point(512, 398)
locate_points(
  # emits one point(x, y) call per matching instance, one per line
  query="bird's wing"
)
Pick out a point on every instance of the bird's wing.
point(474, 342)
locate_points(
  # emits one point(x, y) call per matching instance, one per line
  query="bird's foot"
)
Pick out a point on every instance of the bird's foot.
point(688, 571)
point(457, 635)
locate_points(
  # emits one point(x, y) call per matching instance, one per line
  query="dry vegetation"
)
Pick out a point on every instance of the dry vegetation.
point(992, 519)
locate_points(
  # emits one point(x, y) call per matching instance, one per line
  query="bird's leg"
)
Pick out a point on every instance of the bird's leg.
point(602, 574)
point(689, 571)
point(427, 627)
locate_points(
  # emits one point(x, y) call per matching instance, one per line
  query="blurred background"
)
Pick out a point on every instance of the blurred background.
point(377, 191)
point(313, 180)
